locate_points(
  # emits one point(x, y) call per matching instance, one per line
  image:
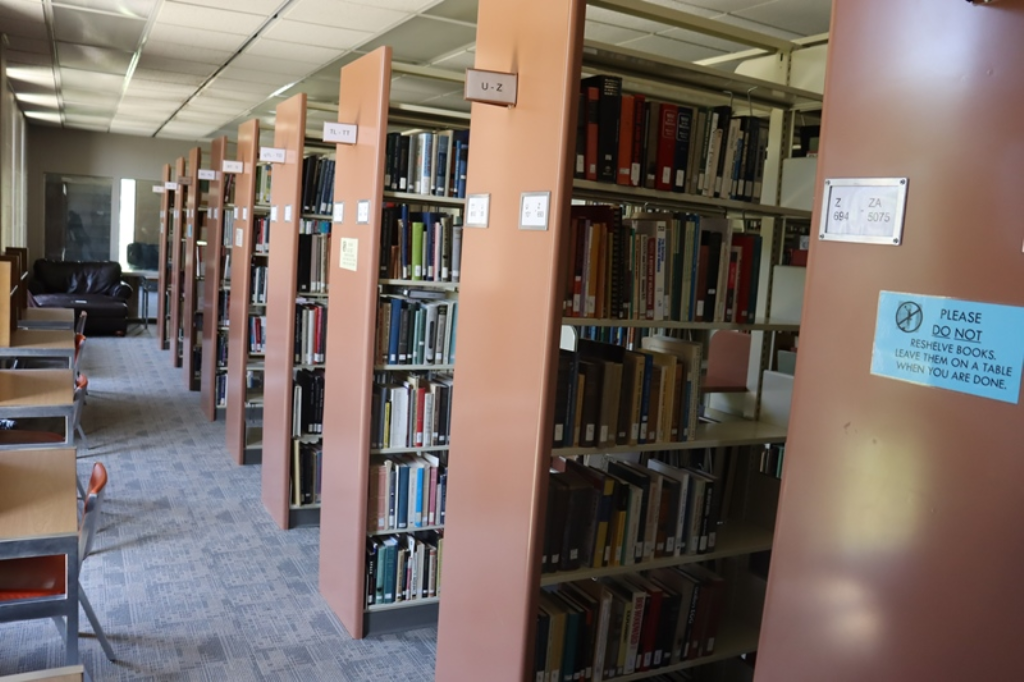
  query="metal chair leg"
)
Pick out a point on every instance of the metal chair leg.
point(95, 624)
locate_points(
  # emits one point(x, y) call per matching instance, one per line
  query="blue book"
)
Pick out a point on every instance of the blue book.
point(417, 514)
point(403, 496)
point(755, 279)
point(572, 628)
point(461, 138)
point(444, 142)
point(442, 486)
point(389, 564)
point(396, 324)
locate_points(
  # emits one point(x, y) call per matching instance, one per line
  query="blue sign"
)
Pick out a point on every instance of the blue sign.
point(964, 346)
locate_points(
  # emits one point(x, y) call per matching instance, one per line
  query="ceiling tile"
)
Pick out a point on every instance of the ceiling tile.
point(87, 119)
point(194, 53)
point(197, 16)
point(176, 77)
point(623, 20)
point(140, 9)
point(698, 38)
point(196, 37)
point(131, 128)
point(91, 80)
point(343, 14)
point(719, 6)
point(415, 90)
point(606, 33)
point(420, 39)
point(255, 76)
point(263, 7)
point(90, 28)
point(158, 90)
point(22, 44)
point(225, 94)
point(673, 49)
point(216, 107)
point(274, 65)
point(148, 117)
point(400, 5)
point(241, 86)
point(21, 10)
point(40, 75)
point(278, 49)
point(74, 109)
point(796, 16)
point(690, 8)
point(453, 101)
point(743, 22)
point(148, 62)
point(93, 58)
point(312, 34)
point(24, 87)
point(457, 62)
point(199, 118)
point(35, 30)
point(460, 10)
point(16, 57)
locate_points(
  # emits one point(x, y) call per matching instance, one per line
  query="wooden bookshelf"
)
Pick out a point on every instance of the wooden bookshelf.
point(213, 370)
point(164, 279)
point(511, 298)
point(243, 422)
point(175, 290)
point(191, 325)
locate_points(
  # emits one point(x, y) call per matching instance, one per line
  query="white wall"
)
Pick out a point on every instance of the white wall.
point(80, 152)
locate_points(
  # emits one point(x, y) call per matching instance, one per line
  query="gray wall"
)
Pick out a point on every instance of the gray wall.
point(80, 152)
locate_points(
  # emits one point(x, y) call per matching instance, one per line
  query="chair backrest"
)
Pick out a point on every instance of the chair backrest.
point(79, 343)
point(91, 512)
point(80, 325)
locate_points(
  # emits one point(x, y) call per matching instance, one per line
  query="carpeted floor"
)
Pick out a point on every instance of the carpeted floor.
point(190, 578)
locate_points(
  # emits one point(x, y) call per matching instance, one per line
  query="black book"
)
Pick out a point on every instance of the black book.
point(389, 160)
point(684, 126)
point(403, 164)
point(405, 333)
point(580, 171)
point(609, 113)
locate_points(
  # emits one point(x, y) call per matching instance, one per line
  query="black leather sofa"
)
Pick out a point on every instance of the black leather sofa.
point(92, 286)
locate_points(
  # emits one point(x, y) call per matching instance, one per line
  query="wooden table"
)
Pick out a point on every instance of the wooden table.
point(71, 673)
point(47, 318)
point(39, 517)
point(30, 393)
point(38, 343)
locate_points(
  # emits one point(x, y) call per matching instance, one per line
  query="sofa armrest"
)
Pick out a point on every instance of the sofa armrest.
point(122, 291)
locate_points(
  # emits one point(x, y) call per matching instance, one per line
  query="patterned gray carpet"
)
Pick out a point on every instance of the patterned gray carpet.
point(190, 578)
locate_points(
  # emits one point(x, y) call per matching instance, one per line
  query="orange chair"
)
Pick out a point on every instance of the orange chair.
point(40, 578)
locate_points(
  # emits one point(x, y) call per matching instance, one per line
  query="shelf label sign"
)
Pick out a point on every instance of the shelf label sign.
point(188, 231)
point(273, 214)
point(342, 133)
point(533, 210)
point(158, 189)
point(239, 237)
point(478, 209)
point(287, 213)
point(233, 167)
point(363, 212)
point(207, 174)
point(272, 154)
point(173, 186)
point(349, 253)
point(339, 212)
point(491, 87)
point(865, 210)
point(964, 346)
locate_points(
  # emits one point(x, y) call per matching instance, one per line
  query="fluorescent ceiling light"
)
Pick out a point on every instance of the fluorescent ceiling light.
point(43, 116)
point(281, 89)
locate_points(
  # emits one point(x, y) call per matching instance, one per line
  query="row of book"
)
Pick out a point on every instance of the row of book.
point(407, 492)
point(310, 346)
point(258, 284)
point(401, 568)
point(423, 162)
point(414, 412)
point(608, 628)
point(261, 234)
point(308, 402)
point(306, 470)
point(638, 142)
point(607, 395)
point(313, 253)
point(420, 246)
point(257, 334)
point(264, 175)
point(317, 184)
point(626, 514)
point(418, 328)
point(660, 266)
point(771, 460)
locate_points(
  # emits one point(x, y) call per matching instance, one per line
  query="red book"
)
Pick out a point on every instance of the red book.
point(637, 162)
point(666, 146)
point(746, 244)
point(590, 160)
point(421, 394)
point(625, 160)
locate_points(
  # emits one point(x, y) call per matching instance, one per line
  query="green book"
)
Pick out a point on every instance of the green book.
point(417, 250)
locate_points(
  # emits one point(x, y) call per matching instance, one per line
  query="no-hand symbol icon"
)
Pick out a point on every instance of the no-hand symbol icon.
point(909, 317)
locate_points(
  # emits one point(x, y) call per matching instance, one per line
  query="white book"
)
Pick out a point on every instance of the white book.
point(426, 159)
point(428, 419)
point(430, 350)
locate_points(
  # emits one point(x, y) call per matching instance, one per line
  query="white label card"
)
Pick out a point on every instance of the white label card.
point(188, 231)
point(342, 133)
point(273, 214)
point(233, 167)
point(363, 212)
point(272, 154)
point(491, 87)
point(207, 174)
point(866, 210)
point(245, 213)
point(239, 237)
point(533, 210)
point(235, 211)
point(478, 209)
point(171, 186)
point(349, 253)
point(339, 212)
point(157, 189)
point(288, 213)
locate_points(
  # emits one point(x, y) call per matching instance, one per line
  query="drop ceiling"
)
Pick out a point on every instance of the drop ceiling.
point(195, 70)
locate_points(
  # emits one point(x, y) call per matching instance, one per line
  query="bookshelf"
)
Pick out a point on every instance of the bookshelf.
point(360, 389)
point(216, 287)
point(301, 214)
point(164, 278)
point(244, 411)
point(175, 290)
point(192, 240)
point(498, 566)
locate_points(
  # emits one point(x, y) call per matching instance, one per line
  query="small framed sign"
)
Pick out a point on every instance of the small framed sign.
point(491, 87)
point(342, 133)
point(865, 210)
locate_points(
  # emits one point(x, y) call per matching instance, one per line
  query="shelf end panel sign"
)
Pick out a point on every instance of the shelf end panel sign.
point(965, 346)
